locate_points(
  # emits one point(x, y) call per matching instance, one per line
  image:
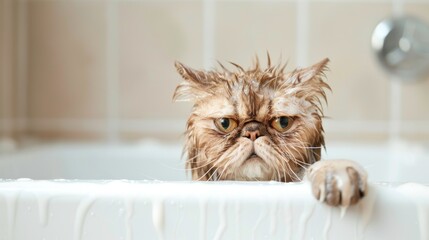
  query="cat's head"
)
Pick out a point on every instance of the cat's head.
point(256, 124)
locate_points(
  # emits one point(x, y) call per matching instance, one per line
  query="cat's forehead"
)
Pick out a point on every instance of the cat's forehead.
point(216, 107)
point(249, 101)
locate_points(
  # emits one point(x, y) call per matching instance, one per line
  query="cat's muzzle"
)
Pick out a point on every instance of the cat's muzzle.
point(253, 130)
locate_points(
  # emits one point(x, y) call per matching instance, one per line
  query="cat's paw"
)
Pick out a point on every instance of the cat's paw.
point(337, 182)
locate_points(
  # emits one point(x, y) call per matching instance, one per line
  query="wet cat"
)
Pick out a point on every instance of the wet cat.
point(264, 124)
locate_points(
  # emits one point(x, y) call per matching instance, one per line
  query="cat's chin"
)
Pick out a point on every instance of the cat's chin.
point(253, 169)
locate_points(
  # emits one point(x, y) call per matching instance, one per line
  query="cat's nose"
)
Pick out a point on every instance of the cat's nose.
point(253, 130)
point(253, 135)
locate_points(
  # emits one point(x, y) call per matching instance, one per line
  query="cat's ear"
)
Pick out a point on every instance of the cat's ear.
point(307, 75)
point(194, 85)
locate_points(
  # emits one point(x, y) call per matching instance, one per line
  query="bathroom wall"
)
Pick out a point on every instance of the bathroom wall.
point(8, 64)
point(74, 69)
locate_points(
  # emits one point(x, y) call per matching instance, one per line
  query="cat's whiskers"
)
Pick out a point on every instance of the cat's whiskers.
point(224, 168)
point(302, 164)
point(297, 161)
point(279, 162)
point(278, 173)
point(214, 176)
point(205, 165)
point(229, 161)
point(221, 174)
point(218, 161)
point(302, 145)
point(204, 175)
point(202, 166)
point(293, 159)
point(299, 146)
point(255, 179)
point(209, 170)
point(301, 156)
point(213, 161)
point(284, 170)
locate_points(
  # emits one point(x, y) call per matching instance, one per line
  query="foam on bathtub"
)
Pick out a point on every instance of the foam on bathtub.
point(222, 221)
point(327, 225)
point(420, 195)
point(189, 210)
point(158, 217)
point(366, 206)
point(237, 218)
point(273, 217)
point(262, 215)
point(11, 204)
point(129, 211)
point(81, 213)
point(303, 220)
point(43, 199)
point(288, 220)
point(203, 218)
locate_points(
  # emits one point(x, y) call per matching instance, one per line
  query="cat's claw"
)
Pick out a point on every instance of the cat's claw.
point(337, 182)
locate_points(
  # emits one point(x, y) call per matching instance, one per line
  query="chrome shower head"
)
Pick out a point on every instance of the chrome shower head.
point(402, 47)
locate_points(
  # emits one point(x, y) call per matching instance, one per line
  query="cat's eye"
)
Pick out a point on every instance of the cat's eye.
point(225, 125)
point(282, 124)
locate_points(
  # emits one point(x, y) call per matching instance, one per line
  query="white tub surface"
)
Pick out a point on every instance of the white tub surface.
point(114, 210)
point(96, 209)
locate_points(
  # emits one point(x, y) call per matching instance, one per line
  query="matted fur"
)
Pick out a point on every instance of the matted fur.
point(254, 96)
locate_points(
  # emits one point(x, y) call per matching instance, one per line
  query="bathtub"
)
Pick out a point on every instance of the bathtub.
point(60, 191)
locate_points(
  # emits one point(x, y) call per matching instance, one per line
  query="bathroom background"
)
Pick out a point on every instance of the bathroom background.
point(95, 70)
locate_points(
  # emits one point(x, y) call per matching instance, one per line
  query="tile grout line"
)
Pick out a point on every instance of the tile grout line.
point(395, 90)
point(22, 64)
point(3, 57)
point(112, 96)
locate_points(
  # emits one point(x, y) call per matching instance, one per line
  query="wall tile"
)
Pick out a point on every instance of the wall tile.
point(52, 135)
point(2, 58)
point(415, 97)
point(152, 35)
point(7, 46)
point(247, 28)
point(66, 59)
point(342, 32)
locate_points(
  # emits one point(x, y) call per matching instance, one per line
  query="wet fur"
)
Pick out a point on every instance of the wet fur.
point(256, 95)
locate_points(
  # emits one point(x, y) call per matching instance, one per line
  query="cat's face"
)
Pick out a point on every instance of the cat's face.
point(257, 124)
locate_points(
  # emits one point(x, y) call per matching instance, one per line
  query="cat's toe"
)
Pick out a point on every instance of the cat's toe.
point(358, 187)
point(337, 183)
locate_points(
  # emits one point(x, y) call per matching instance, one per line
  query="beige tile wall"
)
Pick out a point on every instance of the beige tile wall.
point(151, 36)
point(338, 31)
point(245, 29)
point(66, 64)
point(69, 59)
point(2, 58)
point(360, 89)
point(7, 74)
point(416, 94)
point(66, 59)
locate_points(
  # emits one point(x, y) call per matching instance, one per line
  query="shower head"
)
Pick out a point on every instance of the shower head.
point(402, 47)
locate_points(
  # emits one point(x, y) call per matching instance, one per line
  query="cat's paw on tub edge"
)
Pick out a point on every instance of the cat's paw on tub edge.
point(337, 182)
